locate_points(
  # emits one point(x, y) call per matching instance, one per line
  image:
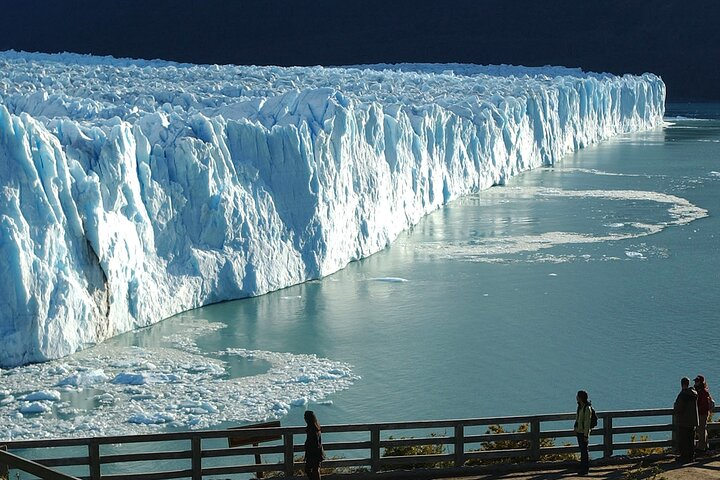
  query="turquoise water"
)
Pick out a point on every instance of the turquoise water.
point(509, 301)
point(600, 273)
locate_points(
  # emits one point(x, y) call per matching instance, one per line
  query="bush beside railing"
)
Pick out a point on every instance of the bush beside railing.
point(374, 447)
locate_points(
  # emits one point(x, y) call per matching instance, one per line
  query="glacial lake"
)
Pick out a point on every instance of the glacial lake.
point(600, 273)
point(509, 301)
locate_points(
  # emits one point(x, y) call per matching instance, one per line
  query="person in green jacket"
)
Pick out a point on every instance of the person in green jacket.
point(582, 429)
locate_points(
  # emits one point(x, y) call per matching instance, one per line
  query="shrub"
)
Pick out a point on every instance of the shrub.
point(643, 451)
point(415, 450)
point(519, 445)
point(713, 434)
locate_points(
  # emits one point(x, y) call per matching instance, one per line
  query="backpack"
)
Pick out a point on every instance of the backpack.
point(593, 418)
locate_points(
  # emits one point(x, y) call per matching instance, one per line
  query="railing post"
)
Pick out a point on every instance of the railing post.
point(374, 449)
point(607, 435)
point(535, 439)
point(94, 458)
point(288, 457)
point(459, 445)
point(4, 470)
point(196, 457)
point(674, 435)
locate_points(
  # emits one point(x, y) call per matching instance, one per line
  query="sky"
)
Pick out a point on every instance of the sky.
point(679, 40)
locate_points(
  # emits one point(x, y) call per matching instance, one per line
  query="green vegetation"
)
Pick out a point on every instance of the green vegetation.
point(644, 451)
point(415, 450)
point(713, 435)
point(519, 445)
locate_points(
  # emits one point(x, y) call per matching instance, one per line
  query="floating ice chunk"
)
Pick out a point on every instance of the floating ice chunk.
point(50, 395)
point(130, 379)
point(305, 378)
point(33, 408)
point(632, 254)
point(105, 398)
point(156, 418)
point(389, 279)
point(333, 374)
point(210, 368)
point(281, 408)
point(142, 378)
point(85, 378)
point(143, 396)
point(209, 407)
point(200, 408)
point(58, 370)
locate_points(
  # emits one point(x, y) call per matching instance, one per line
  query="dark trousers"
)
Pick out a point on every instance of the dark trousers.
point(686, 441)
point(584, 457)
point(312, 469)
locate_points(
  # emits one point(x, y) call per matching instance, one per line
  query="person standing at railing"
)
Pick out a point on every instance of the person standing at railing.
point(582, 429)
point(314, 453)
point(685, 416)
point(705, 404)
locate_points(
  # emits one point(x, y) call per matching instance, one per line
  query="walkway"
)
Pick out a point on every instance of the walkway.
point(707, 468)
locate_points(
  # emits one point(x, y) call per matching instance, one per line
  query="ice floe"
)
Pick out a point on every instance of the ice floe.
point(502, 249)
point(114, 390)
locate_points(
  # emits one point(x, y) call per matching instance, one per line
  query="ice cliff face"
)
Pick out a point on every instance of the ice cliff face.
point(131, 191)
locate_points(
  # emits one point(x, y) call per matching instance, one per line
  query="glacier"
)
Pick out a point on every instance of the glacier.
point(133, 190)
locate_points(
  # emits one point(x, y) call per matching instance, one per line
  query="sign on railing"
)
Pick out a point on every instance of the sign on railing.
point(254, 439)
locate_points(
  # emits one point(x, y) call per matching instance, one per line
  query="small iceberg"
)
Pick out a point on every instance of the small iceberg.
point(389, 279)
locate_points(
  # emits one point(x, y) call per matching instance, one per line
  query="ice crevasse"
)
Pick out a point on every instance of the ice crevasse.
point(134, 190)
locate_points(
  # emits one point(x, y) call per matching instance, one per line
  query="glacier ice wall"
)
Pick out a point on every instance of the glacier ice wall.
point(134, 190)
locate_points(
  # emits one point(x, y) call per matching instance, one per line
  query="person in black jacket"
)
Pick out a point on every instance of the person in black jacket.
point(314, 453)
point(685, 416)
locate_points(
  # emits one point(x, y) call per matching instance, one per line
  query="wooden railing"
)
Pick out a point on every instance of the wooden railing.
point(198, 454)
point(28, 466)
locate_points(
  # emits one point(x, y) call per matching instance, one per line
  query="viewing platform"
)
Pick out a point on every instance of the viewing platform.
point(479, 448)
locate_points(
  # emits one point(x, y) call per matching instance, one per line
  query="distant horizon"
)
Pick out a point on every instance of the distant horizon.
point(677, 43)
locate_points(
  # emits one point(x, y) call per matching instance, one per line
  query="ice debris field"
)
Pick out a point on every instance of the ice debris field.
point(115, 390)
point(134, 190)
point(674, 210)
